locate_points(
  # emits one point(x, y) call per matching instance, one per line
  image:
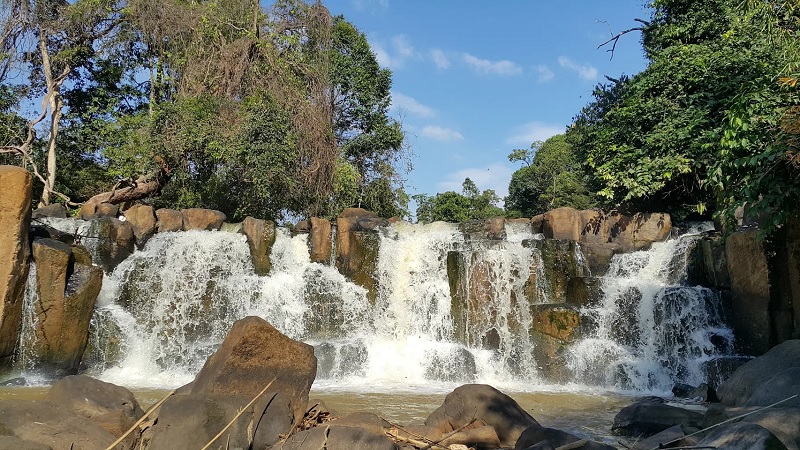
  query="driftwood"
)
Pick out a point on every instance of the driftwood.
point(129, 193)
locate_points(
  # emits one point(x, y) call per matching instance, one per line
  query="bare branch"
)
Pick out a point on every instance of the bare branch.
point(615, 37)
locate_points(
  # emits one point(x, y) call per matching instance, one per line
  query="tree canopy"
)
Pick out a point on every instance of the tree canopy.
point(451, 206)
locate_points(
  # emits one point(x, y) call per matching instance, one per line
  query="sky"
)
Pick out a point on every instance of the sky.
point(473, 80)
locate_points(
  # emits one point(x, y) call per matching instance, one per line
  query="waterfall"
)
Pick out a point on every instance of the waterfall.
point(652, 330)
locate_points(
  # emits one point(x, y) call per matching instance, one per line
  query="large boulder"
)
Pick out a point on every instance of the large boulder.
point(755, 375)
point(202, 219)
point(42, 422)
point(741, 436)
point(784, 423)
point(169, 220)
point(143, 220)
point(486, 404)
point(15, 221)
point(553, 329)
point(14, 443)
point(651, 415)
point(260, 237)
point(320, 242)
point(115, 242)
point(536, 435)
point(357, 244)
point(338, 437)
point(252, 354)
point(55, 210)
point(66, 293)
point(92, 210)
point(112, 407)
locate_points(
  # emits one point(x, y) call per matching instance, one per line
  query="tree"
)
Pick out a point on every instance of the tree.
point(551, 177)
point(451, 206)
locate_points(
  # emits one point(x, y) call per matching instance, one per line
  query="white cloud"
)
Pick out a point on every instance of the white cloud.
point(404, 103)
point(495, 176)
point(441, 134)
point(525, 134)
point(587, 72)
point(440, 59)
point(545, 74)
point(487, 67)
point(396, 55)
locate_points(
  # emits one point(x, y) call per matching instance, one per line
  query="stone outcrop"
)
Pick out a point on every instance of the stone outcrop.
point(357, 243)
point(92, 210)
point(66, 296)
point(651, 415)
point(15, 210)
point(741, 436)
point(202, 219)
point(116, 242)
point(493, 228)
point(320, 241)
point(260, 237)
point(112, 407)
point(553, 329)
point(537, 437)
point(486, 404)
point(169, 220)
point(55, 210)
point(559, 265)
point(143, 221)
point(754, 376)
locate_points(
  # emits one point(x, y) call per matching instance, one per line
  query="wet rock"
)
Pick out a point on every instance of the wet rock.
point(112, 407)
point(486, 404)
point(558, 265)
point(650, 416)
point(704, 393)
point(320, 241)
point(537, 224)
point(202, 219)
point(93, 210)
point(483, 229)
point(260, 237)
point(584, 291)
point(783, 385)
point(302, 227)
point(18, 381)
point(755, 374)
point(67, 293)
point(15, 221)
point(143, 221)
point(721, 368)
point(235, 228)
point(784, 423)
point(43, 423)
point(81, 255)
point(671, 437)
point(357, 245)
point(338, 437)
point(115, 242)
point(681, 390)
point(56, 210)
point(364, 420)
point(561, 322)
point(169, 220)
point(542, 437)
point(741, 436)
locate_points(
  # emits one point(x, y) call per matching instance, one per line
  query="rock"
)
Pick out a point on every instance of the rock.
point(81, 255)
point(252, 354)
point(486, 404)
point(67, 293)
point(650, 416)
point(741, 436)
point(784, 384)
point(681, 390)
point(537, 224)
point(719, 369)
point(15, 221)
point(320, 241)
point(737, 390)
point(537, 435)
point(336, 437)
point(202, 219)
point(671, 437)
point(143, 221)
point(364, 420)
point(235, 228)
point(563, 223)
point(704, 393)
point(784, 423)
point(43, 423)
point(115, 242)
point(17, 381)
point(112, 407)
point(478, 229)
point(56, 210)
point(91, 211)
point(553, 329)
point(357, 245)
point(584, 291)
point(558, 265)
point(260, 237)
point(169, 220)
point(13, 443)
point(302, 226)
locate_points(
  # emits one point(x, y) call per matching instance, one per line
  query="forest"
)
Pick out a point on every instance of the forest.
point(283, 112)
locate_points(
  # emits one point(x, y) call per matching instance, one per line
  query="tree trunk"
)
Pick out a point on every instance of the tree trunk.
point(52, 100)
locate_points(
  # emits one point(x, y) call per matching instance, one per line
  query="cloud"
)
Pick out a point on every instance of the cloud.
point(399, 52)
point(404, 103)
point(441, 134)
point(587, 72)
point(487, 67)
point(440, 59)
point(495, 176)
point(525, 134)
point(545, 74)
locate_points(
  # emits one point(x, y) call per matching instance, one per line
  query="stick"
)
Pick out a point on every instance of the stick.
point(239, 414)
point(416, 443)
point(427, 447)
point(139, 422)
point(424, 439)
point(724, 422)
point(573, 445)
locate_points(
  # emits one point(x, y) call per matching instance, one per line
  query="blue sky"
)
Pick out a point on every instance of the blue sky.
point(474, 80)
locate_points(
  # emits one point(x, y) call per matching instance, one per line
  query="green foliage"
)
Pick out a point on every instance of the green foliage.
point(451, 206)
point(551, 178)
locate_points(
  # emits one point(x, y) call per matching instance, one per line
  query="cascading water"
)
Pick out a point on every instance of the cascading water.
point(652, 330)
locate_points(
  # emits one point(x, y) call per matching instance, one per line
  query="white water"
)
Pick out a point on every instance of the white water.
point(652, 331)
